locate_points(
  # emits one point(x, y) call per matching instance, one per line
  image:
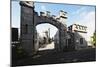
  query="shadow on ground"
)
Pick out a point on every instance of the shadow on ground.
point(52, 57)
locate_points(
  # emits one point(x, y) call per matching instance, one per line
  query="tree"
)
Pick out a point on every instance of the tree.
point(94, 39)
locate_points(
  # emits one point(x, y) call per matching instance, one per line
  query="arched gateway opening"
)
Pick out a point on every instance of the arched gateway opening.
point(46, 33)
point(30, 19)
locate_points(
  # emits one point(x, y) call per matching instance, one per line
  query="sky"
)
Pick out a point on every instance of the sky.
point(15, 14)
point(80, 14)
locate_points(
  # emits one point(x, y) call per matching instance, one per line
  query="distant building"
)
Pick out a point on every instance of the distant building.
point(78, 36)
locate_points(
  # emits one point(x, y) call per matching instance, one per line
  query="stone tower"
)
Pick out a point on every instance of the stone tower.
point(63, 17)
point(27, 26)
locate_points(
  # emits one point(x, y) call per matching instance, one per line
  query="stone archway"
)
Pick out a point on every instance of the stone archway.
point(29, 20)
point(61, 27)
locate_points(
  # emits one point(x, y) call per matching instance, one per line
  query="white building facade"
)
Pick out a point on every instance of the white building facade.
point(78, 36)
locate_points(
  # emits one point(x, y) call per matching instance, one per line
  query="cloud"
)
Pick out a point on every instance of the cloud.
point(81, 9)
point(88, 19)
point(44, 27)
point(43, 8)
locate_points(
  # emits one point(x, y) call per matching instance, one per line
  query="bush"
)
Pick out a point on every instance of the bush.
point(18, 52)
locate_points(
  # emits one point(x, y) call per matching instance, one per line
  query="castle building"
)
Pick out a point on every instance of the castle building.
point(78, 36)
point(72, 38)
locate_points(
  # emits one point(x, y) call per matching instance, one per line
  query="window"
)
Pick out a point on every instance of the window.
point(69, 41)
point(27, 2)
point(76, 26)
point(81, 40)
point(25, 29)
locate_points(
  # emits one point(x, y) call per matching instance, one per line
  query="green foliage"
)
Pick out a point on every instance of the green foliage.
point(18, 52)
point(94, 39)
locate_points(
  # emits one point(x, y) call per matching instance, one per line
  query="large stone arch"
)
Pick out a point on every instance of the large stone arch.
point(61, 27)
point(29, 20)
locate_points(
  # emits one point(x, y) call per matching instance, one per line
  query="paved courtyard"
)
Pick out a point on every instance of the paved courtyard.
point(48, 46)
point(51, 57)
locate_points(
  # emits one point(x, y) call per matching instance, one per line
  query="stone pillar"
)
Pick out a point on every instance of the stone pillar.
point(62, 37)
point(27, 27)
point(63, 29)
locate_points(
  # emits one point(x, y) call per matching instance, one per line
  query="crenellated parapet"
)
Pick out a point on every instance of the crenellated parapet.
point(27, 3)
point(62, 17)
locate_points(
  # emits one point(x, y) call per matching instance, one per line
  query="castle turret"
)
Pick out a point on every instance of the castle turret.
point(27, 3)
point(63, 17)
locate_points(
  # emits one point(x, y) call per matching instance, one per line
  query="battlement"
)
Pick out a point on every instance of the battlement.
point(27, 3)
point(62, 17)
